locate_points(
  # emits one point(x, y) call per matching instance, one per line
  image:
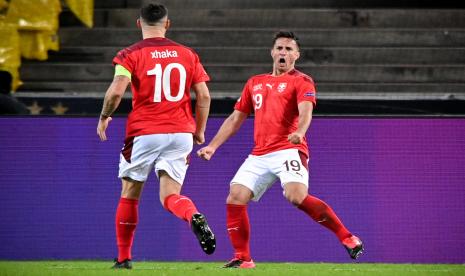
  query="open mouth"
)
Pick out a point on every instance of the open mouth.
point(282, 60)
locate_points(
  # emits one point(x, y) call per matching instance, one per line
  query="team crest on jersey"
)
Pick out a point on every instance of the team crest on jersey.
point(257, 87)
point(282, 86)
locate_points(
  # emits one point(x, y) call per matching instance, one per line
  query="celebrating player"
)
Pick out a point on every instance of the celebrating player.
point(160, 129)
point(283, 102)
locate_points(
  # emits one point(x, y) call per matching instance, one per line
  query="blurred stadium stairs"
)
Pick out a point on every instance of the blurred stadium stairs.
point(367, 57)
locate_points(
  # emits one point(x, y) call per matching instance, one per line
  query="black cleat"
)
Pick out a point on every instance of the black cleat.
point(126, 264)
point(354, 246)
point(203, 233)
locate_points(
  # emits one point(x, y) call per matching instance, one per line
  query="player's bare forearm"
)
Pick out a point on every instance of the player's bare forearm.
point(202, 106)
point(113, 95)
point(110, 103)
point(229, 127)
point(201, 117)
point(305, 117)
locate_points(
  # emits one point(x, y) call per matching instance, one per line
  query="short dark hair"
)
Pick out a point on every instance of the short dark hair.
point(6, 81)
point(152, 13)
point(286, 34)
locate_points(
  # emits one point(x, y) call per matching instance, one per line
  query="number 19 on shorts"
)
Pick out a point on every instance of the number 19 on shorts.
point(163, 81)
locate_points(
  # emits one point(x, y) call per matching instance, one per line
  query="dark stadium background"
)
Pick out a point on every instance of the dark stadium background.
point(387, 139)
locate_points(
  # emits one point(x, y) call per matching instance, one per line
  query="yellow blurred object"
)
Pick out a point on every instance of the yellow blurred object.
point(35, 15)
point(28, 28)
point(38, 30)
point(3, 9)
point(84, 10)
point(35, 45)
point(10, 57)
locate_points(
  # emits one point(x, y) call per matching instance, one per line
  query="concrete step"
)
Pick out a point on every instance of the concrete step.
point(112, 4)
point(216, 87)
point(309, 56)
point(286, 18)
point(234, 95)
point(241, 72)
point(269, 4)
point(230, 37)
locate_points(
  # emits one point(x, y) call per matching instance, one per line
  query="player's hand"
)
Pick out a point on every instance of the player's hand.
point(295, 138)
point(199, 138)
point(206, 152)
point(102, 127)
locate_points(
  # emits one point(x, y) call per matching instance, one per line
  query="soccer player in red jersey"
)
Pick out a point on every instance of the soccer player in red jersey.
point(283, 102)
point(160, 129)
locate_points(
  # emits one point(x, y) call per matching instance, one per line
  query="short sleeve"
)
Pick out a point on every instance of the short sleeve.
point(305, 90)
point(244, 103)
point(200, 75)
point(124, 59)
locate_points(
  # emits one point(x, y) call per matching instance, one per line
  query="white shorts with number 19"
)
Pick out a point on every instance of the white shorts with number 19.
point(169, 152)
point(259, 172)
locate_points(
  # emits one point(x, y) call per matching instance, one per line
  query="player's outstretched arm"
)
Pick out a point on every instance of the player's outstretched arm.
point(305, 117)
point(229, 127)
point(110, 103)
point(202, 109)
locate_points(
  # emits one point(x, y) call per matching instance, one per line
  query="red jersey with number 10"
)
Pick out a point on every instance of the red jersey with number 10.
point(162, 73)
point(275, 103)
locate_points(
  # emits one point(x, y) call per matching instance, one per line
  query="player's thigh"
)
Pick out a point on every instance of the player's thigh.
point(290, 165)
point(138, 156)
point(255, 175)
point(175, 157)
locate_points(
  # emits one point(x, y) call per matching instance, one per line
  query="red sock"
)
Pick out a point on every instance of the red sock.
point(181, 206)
point(126, 222)
point(319, 211)
point(238, 225)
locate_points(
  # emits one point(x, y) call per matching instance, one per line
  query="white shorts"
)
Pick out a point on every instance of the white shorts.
point(169, 152)
point(258, 173)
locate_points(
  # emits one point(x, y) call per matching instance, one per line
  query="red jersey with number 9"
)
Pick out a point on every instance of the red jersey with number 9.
point(162, 73)
point(275, 100)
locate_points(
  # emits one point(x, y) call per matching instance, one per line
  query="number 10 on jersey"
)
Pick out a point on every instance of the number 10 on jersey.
point(163, 81)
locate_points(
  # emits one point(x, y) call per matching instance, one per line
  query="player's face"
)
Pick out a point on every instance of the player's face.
point(284, 53)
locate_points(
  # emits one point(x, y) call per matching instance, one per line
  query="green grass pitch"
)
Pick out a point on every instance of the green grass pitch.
point(200, 268)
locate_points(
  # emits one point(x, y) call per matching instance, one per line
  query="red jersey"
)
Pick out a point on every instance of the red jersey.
point(162, 73)
point(275, 103)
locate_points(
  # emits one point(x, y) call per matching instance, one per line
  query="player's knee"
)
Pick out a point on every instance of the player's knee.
point(131, 189)
point(295, 197)
point(239, 194)
point(236, 198)
point(295, 193)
